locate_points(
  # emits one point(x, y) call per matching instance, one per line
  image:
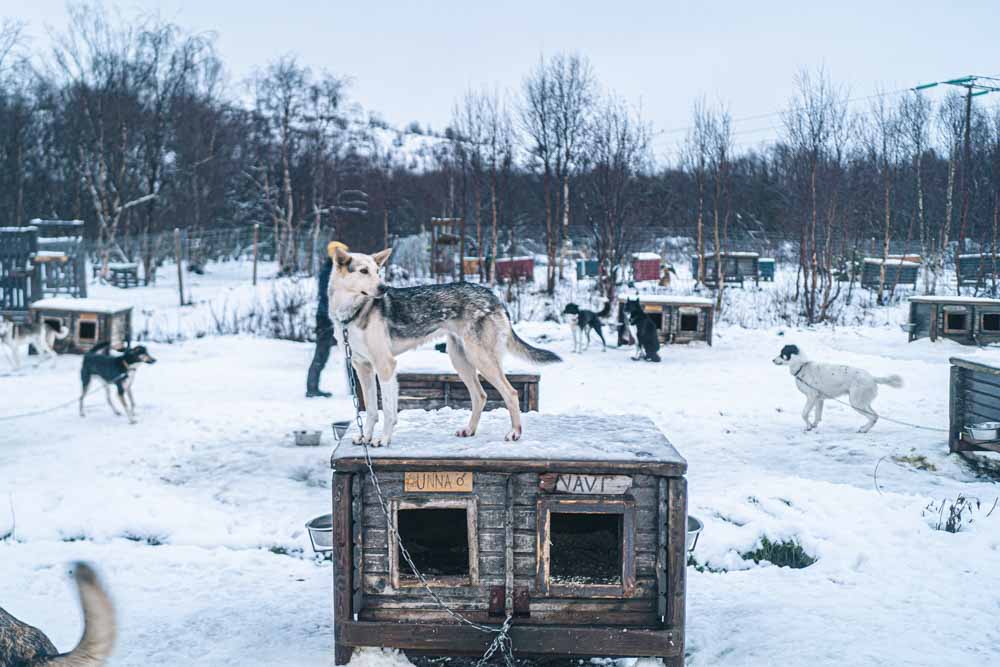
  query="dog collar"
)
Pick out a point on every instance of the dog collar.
point(801, 368)
point(357, 312)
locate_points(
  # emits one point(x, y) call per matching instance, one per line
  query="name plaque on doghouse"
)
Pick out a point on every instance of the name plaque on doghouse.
point(599, 485)
point(438, 482)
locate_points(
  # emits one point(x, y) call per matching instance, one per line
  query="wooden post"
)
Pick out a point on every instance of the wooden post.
point(180, 270)
point(256, 234)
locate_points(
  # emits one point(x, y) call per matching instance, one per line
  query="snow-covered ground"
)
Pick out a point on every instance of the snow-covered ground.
point(195, 515)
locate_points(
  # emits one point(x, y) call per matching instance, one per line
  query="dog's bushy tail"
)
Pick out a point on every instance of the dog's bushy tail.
point(99, 625)
point(893, 381)
point(97, 349)
point(61, 332)
point(529, 352)
point(606, 310)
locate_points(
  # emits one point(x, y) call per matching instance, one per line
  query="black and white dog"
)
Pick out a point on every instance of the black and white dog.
point(585, 321)
point(41, 334)
point(822, 381)
point(118, 370)
point(647, 339)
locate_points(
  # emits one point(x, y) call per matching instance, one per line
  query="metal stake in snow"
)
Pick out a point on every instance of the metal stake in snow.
point(501, 642)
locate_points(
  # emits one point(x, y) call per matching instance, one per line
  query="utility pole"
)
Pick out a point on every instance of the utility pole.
point(974, 87)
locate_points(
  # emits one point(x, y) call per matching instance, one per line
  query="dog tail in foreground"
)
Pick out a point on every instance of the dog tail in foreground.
point(893, 381)
point(99, 626)
point(606, 310)
point(517, 346)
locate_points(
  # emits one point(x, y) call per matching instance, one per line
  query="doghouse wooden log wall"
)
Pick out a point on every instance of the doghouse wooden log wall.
point(964, 319)
point(430, 391)
point(577, 531)
point(90, 322)
point(898, 272)
point(974, 398)
point(679, 319)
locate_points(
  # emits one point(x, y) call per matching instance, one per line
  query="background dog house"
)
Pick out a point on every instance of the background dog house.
point(645, 266)
point(61, 260)
point(19, 280)
point(577, 531)
point(974, 398)
point(679, 319)
point(90, 321)
point(587, 268)
point(766, 266)
point(736, 267)
point(978, 270)
point(899, 271)
point(965, 319)
point(515, 268)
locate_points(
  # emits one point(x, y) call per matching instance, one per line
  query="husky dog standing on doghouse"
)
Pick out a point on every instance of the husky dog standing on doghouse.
point(383, 322)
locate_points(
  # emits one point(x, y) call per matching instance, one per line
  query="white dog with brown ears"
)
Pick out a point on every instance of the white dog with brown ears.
point(822, 381)
point(382, 322)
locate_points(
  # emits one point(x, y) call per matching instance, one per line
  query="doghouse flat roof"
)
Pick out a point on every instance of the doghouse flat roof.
point(426, 440)
point(956, 299)
point(670, 299)
point(81, 305)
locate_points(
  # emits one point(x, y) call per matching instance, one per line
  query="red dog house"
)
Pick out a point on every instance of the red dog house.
point(516, 267)
point(645, 266)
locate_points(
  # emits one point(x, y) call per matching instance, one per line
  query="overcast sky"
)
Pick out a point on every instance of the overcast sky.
point(410, 60)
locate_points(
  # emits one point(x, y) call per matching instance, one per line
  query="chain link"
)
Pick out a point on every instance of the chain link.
point(501, 641)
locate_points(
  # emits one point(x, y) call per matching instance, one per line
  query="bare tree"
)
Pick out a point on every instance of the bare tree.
point(695, 155)
point(915, 119)
point(951, 129)
point(720, 145)
point(538, 120)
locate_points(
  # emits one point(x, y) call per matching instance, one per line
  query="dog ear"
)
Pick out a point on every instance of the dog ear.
point(341, 257)
point(382, 257)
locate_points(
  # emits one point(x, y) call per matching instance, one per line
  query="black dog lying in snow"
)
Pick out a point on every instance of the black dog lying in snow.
point(647, 340)
point(118, 370)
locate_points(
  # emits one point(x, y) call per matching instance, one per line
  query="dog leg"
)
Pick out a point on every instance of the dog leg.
point(604, 344)
point(818, 412)
point(369, 389)
point(470, 377)
point(861, 400)
point(121, 399)
point(390, 400)
point(810, 402)
point(491, 369)
point(83, 395)
point(107, 395)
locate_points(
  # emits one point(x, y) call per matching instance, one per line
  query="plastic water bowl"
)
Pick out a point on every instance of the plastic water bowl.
point(308, 438)
point(983, 430)
point(321, 533)
point(694, 528)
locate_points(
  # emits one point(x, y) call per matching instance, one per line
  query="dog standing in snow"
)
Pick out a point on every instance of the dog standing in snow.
point(22, 644)
point(585, 321)
point(383, 322)
point(822, 381)
point(43, 335)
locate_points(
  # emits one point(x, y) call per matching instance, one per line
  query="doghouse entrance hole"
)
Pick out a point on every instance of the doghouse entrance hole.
point(956, 322)
point(991, 321)
point(689, 322)
point(437, 539)
point(88, 331)
point(585, 549)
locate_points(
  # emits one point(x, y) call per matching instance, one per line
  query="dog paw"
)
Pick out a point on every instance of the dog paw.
point(361, 439)
point(513, 435)
point(464, 433)
point(382, 442)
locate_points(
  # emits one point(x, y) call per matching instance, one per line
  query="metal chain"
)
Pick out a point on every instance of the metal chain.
point(45, 411)
point(501, 641)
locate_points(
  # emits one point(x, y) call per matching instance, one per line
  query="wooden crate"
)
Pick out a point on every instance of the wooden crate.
point(966, 320)
point(500, 545)
point(974, 397)
point(430, 391)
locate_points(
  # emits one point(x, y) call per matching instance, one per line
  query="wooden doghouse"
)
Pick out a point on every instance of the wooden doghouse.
point(90, 321)
point(587, 268)
point(515, 268)
point(679, 319)
point(20, 283)
point(576, 531)
point(965, 319)
point(737, 267)
point(974, 398)
point(898, 272)
point(766, 266)
point(61, 259)
point(978, 270)
point(645, 266)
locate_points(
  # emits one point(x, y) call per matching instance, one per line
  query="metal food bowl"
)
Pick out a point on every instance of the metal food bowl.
point(694, 528)
point(307, 438)
point(321, 533)
point(983, 430)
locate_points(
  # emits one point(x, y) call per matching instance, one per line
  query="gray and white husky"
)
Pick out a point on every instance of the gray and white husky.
point(822, 381)
point(383, 322)
point(41, 334)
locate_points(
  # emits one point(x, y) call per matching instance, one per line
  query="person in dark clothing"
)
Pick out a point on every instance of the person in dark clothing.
point(324, 330)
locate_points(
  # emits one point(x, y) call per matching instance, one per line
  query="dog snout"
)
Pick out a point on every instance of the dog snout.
point(777, 361)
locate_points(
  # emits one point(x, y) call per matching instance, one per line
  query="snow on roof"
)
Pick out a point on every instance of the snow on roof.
point(52, 240)
point(50, 253)
point(514, 259)
point(892, 261)
point(730, 253)
point(645, 256)
point(767, 259)
point(955, 299)
point(670, 299)
point(976, 254)
point(431, 434)
point(81, 305)
point(17, 229)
